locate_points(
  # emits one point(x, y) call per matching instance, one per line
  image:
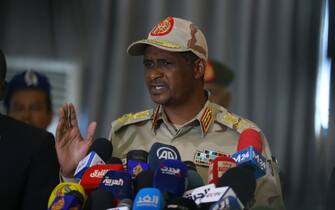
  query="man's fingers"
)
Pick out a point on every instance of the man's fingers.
point(62, 111)
point(90, 131)
point(73, 116)
point(60, 125)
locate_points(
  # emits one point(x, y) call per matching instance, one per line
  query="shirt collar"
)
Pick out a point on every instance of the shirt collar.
point(205, 118)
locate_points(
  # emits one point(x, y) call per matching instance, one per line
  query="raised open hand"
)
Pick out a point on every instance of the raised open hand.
point(71, 147)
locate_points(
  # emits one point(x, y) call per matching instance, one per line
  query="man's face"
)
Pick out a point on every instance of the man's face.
point(168, 75)
point(30, 106)
point(218, 94)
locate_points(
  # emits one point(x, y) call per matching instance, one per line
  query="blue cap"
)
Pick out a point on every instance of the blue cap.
point(24, 80)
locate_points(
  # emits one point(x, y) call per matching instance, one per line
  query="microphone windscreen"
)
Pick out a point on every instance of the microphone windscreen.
point(143, 180)
point(103, 147)
point(114, 160)
point(181, 203)
point(227, 202)
point(67, 201)
point(126, 202)
point(218, 167)
point(190, 165)
point(135, 167)
point(250, 137)
point(138, 155)
point(63, 189)
point(159, 152)
point(90, 160)
point(213, 196)
point(100, 199)
point(194, 180)
point(198, 193)
point(117, 182)
point(148, 199)
point(170, 177)
point(250, 159)
point(93, 175)
point(242, 181)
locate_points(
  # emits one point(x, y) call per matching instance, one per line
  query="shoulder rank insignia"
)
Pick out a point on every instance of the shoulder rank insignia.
point(206, 119)
point(155, 117)
point(131, 118)
point(237, 123)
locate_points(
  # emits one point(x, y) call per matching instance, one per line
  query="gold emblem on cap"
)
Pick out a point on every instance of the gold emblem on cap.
point(163, 28)
point(206, 119)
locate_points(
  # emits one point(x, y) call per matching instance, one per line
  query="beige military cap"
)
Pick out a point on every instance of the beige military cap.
point(175, 35)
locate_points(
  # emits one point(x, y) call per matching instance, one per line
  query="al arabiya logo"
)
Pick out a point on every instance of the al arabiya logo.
point(166, 153)
point(111, 182)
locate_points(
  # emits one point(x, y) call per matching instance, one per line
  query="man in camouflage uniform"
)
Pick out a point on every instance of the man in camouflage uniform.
point(175, 55)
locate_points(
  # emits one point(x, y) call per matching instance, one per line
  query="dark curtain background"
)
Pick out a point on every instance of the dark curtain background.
point(271, 45)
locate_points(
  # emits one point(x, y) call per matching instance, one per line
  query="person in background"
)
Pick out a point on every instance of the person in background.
point(174, 58)
point(29, 169)
point(28, 99)
point(218, 77)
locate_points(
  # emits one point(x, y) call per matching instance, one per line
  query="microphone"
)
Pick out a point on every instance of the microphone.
point(90, 160)
point(250, 137)
point(148, 198)
point(99, 152)
point(70, 200)
point(138, 155)
point(118, 183)
point(218, 197)
point(249, 149)
point(198, 193)
point(71, 193)
point(159, 152)
point(242, 181)
point(92, 176)
point(190, 165)
point(229, 202)
point(135, 167)
point(143, 180)
point(193, 179)
point(249, 158)
point(103, 147)
point(181, 204)
point(218, 167)
point(213, 195)
point(100, 199)
point(114, 160)
point(124, 204)
point(137, 162)
point(170, 177)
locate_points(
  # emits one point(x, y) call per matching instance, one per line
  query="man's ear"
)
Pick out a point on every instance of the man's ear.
point(200, 66)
